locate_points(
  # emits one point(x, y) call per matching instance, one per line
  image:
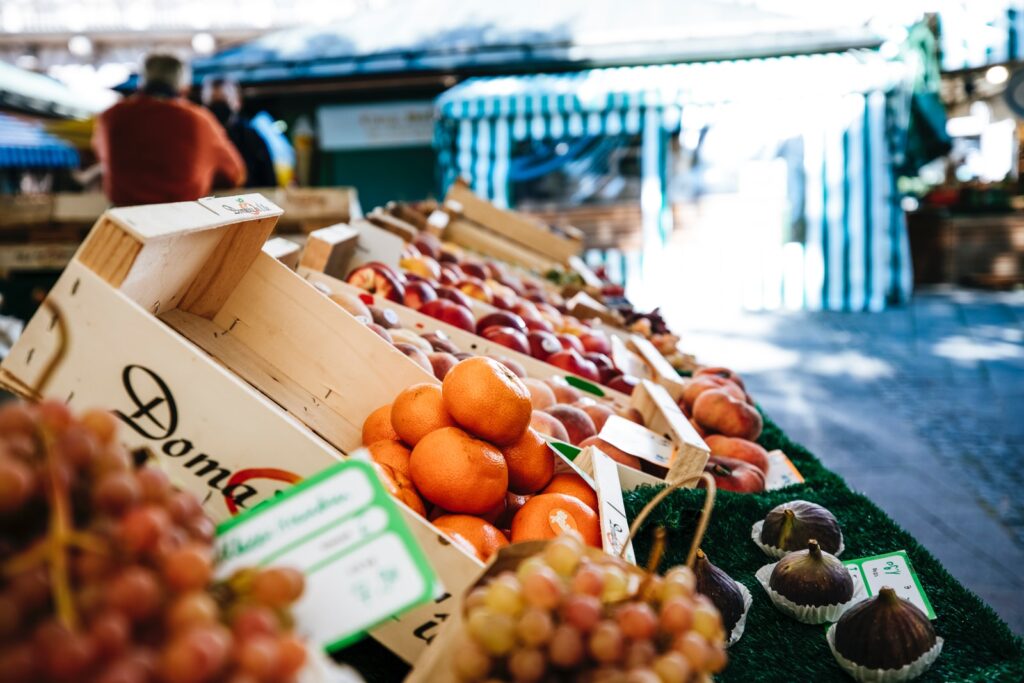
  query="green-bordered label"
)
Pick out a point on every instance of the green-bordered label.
point(584, 385)
point(893, 570)
point(343, 531)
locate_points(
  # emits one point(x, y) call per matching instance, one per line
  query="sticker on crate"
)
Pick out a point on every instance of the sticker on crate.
point(343, 531)
point(893, 570)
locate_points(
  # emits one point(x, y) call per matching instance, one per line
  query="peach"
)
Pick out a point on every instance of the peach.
point(442, 362)
point(633, 415)
point(475, 288)
point(740, 449)
point(724, 373)
point(512, 364)
point(541, 395)
point(563, 392)
point(597, 412)
point(547, 424)
point(718, 411)
point(416, 354)
point(424, 266)
point(616, 454)
point(698, 385)
point(576, 422)
point(352, 304)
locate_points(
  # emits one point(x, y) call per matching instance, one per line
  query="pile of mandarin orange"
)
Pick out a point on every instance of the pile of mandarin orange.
point(464, 456)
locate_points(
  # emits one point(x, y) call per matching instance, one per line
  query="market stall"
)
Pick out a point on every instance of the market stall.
point(839, 120)
point(386, 451)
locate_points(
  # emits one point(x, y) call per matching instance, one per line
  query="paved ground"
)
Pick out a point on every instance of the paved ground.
point(921, 408)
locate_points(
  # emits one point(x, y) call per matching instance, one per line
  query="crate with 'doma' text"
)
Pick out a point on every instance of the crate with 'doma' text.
point(173, 316)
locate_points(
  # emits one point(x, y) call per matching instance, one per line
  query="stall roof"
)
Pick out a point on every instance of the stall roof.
point(675, 84)
point(481, 36)
point(24, 143)
point(34, 93)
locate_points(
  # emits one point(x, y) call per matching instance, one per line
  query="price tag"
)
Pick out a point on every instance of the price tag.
point(343, 531)
point(637, 440)
point(614, 525)
point(893, 570)
point(781, 471)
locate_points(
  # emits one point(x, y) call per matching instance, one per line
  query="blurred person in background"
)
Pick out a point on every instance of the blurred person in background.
point(156, 146)
point(223, 98)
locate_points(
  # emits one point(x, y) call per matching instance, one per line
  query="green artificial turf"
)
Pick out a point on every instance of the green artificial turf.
point(978, 648)
point(978, 645)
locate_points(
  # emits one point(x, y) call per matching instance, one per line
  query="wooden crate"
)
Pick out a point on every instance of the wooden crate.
point(172, 314)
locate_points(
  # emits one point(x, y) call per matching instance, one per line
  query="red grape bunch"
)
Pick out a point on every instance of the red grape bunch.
point(106, 570)
point(563, 615)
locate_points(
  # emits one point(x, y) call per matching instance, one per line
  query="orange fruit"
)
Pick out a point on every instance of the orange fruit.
point(458, 473)
point(377, 426)
point(417, 411)
point(574, 485)
point(550, 514)
point(487, 400)
point(393, 453)
point(401, 487)
point(474, 534)
point(530, 463)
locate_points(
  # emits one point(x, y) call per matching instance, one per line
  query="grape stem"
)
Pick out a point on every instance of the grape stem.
point(702, 524)
point(60, 535)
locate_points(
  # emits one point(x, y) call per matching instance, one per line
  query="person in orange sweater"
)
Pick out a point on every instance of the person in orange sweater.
point(155, 146)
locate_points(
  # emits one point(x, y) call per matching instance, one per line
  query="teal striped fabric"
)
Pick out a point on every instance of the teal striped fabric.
point(853, 254)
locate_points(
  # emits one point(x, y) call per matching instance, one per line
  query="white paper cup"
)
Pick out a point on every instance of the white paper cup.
point(808, 614)
point(779, 553)
point(737, 630)
point(866, 675)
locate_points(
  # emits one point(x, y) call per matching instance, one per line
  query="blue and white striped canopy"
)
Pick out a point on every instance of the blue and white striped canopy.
point(852, 106)
point(26, 144)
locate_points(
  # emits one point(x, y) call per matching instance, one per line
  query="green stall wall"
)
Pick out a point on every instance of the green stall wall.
point(380, 175)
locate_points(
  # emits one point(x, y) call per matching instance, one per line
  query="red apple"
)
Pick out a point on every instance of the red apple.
point(508, 337)
point(540, 325)
point(604, 364)
point(502, 300)
point(543, 344)
point(449, 312)
point(378, 279)
point(428, 244)
point(451, 274)
point(455, 295)
point(596, 341)
point(526, 309)
point(440, 342)
point(475, 269)
point(571, 341)
point(574, 363)
point(502, 319)
point(624, 384)
point(417, 294)
point(735, 475)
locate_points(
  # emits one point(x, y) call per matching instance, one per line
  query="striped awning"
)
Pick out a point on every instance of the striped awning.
point(24, 143)
point(581, 98)
point(980, 33)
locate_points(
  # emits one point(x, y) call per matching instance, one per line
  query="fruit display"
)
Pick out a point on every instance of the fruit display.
point(107, 570)
point(495, 304)
point(810, 585)
point(561, 612)
point(884, 638)
point(466, 455)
